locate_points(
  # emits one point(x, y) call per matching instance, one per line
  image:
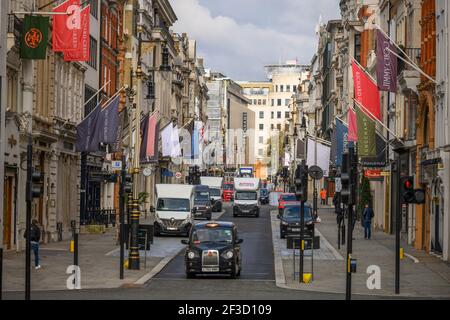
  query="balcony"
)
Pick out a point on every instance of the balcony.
point(15, 27)
point(408, 78)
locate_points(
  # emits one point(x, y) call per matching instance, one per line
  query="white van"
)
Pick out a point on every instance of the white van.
point(173, 211)
point(215, 190)
point(246, 196)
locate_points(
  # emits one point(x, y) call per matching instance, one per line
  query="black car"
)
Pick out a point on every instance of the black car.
point(213, 248)
point(216, 199)
point(290, 220)
point(202, 202)
point(263, 196)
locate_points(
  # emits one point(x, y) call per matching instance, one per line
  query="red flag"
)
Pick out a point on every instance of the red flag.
point(352, 127)
point(82, 53)
point(366, 92)
point(151, 135)
point(66, 28)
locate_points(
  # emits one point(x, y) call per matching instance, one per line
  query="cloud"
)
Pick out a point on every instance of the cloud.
point(239, 37)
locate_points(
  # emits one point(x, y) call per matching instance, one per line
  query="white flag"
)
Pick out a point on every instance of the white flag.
point(323, 156)
point(166, 136)
point(176, 148)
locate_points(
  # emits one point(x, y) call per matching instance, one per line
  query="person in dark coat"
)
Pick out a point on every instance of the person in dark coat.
point(367, 218)
point(35, 237)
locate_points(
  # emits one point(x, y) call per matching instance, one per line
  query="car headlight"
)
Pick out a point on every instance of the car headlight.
point(191, 255)
point(228, 255)
point(186, 221)
point(158, 219)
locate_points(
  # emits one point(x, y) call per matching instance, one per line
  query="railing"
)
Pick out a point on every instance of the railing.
point(413, 54)
point(95, 216)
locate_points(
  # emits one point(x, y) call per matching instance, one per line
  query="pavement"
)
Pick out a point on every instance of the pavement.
point(99, 263)
point(421, 274)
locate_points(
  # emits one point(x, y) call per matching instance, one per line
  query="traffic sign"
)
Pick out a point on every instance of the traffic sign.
point(338, 184)
point(117, 164)
point(178, 175)
point(315, 172)
point(147, 172)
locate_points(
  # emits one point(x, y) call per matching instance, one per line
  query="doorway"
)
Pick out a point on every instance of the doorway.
point(7, 211)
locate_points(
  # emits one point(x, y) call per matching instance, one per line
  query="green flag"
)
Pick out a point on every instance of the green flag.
point(366, 135)
point(34, 39)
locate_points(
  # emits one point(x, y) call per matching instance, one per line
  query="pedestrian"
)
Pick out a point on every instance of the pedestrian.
point(323, 196)
point(367, 217)
point(35, 237)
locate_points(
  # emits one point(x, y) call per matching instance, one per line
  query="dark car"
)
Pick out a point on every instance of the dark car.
point(216, 199)
point(213, 248)
point(290, 220)
point(263, 196)
point(202, 202)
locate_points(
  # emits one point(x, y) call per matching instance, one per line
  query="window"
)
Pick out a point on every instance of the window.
point(273, 102)
point(272, 114)
point(279, 102)
point(261, 139)
point(254, 101)
point(282, 88)
point(288, 88)
point(286, 127)
point(94, 8)
point(259, 102)
point(287, 114)
point(260, 152)
point(288, 102)
point(88, 93)
point(294, 88)
point(276, 88)
point(261, 126)
point(272, 126)
point(278, 114)
point(92, 53)
point(264, 102)
point(279, 126)
point(357, 47)
point(261, 114)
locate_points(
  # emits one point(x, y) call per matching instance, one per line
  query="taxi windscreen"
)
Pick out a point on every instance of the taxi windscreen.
point(219, 234)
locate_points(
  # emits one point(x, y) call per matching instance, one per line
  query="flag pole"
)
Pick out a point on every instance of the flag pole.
point(98, 91)
point(413, 66)
point(113, 96)
point(377, 120)
point(347, 125)
point(187, 123)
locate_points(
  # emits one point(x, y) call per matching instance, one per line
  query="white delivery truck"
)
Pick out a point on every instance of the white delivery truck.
point(173, 212)
point(246, 194)
point(215, 191)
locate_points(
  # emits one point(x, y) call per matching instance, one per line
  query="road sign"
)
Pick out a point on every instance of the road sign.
point(117, 164)
point(338, 184)
point(315, 172)
point(178, 175)
point(147, 172)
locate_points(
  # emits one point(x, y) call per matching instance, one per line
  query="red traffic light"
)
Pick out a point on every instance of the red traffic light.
point(408, 184)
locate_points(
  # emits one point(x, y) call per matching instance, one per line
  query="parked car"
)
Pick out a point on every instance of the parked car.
point(213, 248)
point(290, 220)
point(285, 198)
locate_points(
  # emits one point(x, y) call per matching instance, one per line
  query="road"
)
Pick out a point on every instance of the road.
point(257, 280)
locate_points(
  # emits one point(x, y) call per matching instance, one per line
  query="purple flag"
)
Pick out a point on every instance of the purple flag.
point(88, 132)
point(110, 122)
point(386, 64)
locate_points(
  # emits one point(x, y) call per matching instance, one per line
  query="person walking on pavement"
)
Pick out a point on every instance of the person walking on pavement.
point(323, 196)
point(367, 216)
point(35, 237)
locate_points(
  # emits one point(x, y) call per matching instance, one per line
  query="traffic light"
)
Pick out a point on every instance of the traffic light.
point(36, 184)
point(301, 182)
point(408, 193)
point(128, 188)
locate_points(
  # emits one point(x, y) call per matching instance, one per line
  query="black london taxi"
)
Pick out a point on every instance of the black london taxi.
point(213, 248)
point(290, 219)
point(202, 202)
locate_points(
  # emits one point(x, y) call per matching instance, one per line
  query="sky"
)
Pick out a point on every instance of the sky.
point(240, 37)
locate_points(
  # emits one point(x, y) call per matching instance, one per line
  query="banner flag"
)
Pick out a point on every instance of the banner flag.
point(117, 146)
point(88, 132)
point(341, 139)
point(34, 39)
point(82, 53)
point(386, 64)
point(366, 92)
point(166, 136)
point(352, 126)
point(323, 155)
point(144, 138)
point(196, 139)
point(67, 28)
point(176, 148)
point(366, 135)
point(110, 121)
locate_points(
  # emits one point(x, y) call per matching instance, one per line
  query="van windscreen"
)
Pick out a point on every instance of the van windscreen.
point(172, 204)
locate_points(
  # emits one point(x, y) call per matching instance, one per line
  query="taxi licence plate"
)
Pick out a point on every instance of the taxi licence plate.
point(210, 269)
point(295, 229)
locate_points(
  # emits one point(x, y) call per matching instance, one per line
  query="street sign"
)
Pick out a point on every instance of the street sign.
point(147, 172)
point(178, 175)
point(117, 164)
point(338, 184)
point(315, 172)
